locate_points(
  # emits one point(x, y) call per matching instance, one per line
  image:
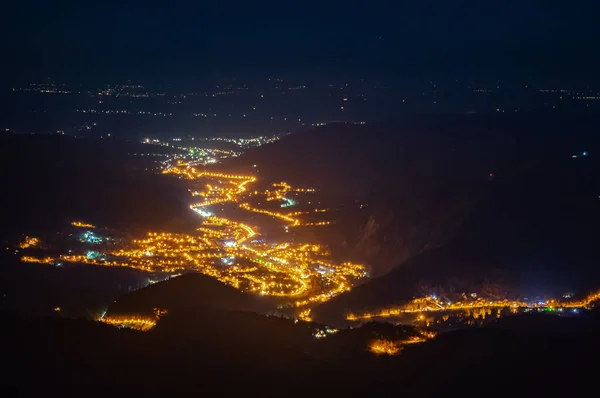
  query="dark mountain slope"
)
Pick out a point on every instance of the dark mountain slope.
point(531, 234)
point(230, 353)
point(77, 290)
point(417, 180)
point(367, 161)
point(53, 179)
point(187, 292)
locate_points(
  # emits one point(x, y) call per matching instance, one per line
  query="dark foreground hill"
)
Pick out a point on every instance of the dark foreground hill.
point(53, 179)
point(74, 290)
point(226, 353)
point(187, 292)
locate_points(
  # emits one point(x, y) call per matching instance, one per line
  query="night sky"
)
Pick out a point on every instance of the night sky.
point(195, 41)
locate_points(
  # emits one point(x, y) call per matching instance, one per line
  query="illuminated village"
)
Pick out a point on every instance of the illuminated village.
point(423, 310)
point(233, 250)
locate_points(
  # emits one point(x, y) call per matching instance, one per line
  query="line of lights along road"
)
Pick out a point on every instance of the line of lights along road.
point(300, 274)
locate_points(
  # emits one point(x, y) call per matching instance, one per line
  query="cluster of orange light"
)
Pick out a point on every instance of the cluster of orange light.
point(288, 265)
point(81, 224)
point(137, 323)
point(29, 242)
point(388, 347)
point(312, 224)
point(31, 259)
point(577, 303)
point(282, 216)
point(384, 347)
point(222, 248)
point(304, 315)
point(430, 304)
point(279, 193)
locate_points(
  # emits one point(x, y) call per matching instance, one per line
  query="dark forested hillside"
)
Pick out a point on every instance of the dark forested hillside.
point(405, 189)
point(187, 292)
point(55, 179)
point(532, 233)
point(226, 353)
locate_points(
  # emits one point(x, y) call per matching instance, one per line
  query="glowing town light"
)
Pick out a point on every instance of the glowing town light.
point(384, 347)
point(80, 224)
